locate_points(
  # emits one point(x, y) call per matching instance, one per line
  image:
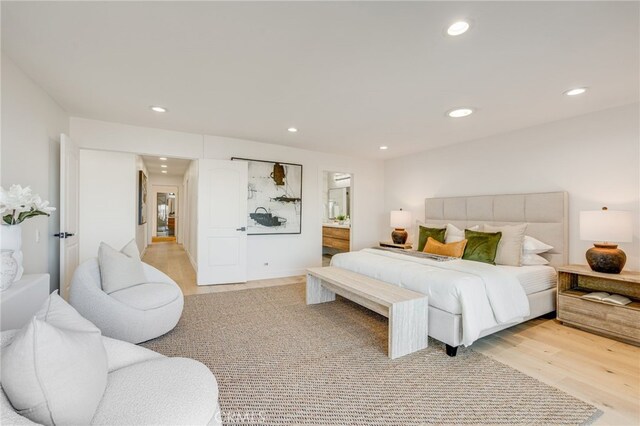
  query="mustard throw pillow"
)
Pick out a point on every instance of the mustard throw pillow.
point(452, 249)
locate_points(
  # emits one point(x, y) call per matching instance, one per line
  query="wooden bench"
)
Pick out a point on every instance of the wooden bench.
point(407, 310)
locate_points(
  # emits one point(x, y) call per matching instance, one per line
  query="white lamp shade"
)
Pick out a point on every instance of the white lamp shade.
point(400, 219)
point(606, 226)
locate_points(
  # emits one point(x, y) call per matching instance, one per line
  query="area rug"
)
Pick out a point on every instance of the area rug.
point(281, 362)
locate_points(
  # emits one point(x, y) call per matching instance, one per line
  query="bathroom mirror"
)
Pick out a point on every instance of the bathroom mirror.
point(339, 202)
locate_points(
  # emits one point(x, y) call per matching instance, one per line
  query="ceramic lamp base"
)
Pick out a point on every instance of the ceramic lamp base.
point(607, 258)
point(399, 236)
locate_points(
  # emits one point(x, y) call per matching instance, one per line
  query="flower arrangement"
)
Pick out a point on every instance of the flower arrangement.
point(19, 204)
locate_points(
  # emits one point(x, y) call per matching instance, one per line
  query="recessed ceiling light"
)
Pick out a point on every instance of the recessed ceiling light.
point(460, 112)
point(164, 166)
point(292, 129)
point(163, 158)
point(576, 91)
point(384, 147)
point(457, 28)
point(156, 108)
point(164, 171)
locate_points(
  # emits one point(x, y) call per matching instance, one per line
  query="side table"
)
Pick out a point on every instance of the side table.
point(391, 244)
point(22, 300)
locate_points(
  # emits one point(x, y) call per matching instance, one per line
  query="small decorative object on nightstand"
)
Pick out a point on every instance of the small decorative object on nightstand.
point(391, 244)
point(615, 320)
point(603, 226)
point(400, 220)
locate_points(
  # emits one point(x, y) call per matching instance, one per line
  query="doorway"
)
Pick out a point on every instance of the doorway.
point(336, 214)
point(165, 216)
point(166, 209)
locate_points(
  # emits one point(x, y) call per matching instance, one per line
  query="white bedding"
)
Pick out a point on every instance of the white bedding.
point(533, 279)
point(486, 296)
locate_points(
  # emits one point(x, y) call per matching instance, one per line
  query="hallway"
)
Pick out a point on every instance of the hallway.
point(173, 260)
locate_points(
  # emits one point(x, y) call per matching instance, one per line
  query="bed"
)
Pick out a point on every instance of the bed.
point(460, 313)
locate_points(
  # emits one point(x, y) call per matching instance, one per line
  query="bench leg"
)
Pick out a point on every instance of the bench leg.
point(316, 293)
point(408, 327)
point(451, 350)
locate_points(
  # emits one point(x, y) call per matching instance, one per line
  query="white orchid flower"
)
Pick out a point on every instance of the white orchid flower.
point(18, 204)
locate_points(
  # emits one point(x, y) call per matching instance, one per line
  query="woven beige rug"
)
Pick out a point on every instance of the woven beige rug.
point(280, 362)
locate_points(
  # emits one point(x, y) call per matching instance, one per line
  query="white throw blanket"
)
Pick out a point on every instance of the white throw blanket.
point(484, 295)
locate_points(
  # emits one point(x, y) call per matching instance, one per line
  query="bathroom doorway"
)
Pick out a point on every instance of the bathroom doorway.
point(165, 214)
point(336, 214)
point(166, 203)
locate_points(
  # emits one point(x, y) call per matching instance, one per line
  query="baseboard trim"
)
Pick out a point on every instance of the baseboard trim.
point(193, 262)
point(263, 275)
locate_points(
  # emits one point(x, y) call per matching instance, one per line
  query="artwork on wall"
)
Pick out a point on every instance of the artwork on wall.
point(274, 197)
point(142, 198)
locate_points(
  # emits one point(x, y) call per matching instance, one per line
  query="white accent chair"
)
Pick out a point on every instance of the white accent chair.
point(143, 388)
point(135, 314)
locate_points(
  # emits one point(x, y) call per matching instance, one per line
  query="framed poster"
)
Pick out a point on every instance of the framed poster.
point(274, 197)
point(142, 198)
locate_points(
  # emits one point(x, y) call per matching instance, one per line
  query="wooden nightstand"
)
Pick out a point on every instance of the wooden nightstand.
point(406, 246)
point(621, 322)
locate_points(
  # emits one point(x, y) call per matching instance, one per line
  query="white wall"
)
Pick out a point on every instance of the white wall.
point(108, 203)
point(190, 184)
point(94, 134)
point(291, 254)
point(594, 157)
point(31, 125)
point(285, 254)
point(141, 230)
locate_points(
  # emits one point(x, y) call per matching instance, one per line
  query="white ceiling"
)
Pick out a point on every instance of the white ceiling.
point(350, 75)
point(175, 166)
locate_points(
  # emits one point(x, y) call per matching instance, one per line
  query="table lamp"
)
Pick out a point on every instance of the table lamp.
point(400, 220)
point(606, 228)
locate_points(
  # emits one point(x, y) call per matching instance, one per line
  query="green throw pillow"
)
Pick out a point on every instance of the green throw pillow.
point(435, 233)
point(481, 246)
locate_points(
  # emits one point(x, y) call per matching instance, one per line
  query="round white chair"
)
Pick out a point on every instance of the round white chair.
point(135, 314)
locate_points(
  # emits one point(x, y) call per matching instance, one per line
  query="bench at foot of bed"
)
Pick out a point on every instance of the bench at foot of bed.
point(407, 310)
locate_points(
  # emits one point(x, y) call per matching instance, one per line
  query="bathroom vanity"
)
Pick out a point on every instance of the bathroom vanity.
point(336, 236)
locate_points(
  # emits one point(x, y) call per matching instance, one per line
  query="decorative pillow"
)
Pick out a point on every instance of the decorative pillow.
point(120, 269)
point(532, 259)
point(131, 250)
point(425, 232)
point(452, 249)
point(454, 234)
point(481, 246)
point(54, 372)
point(510, 245)
point(531, 245)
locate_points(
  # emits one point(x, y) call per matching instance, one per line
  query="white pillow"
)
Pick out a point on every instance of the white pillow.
point(454, 234)
point(55, 370)
point(531, 245)
point(120, 269)
point(531, 259)
point(510, 244)
point(131, 250)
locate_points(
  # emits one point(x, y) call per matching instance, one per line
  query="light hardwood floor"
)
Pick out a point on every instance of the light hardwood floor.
point(601, 371)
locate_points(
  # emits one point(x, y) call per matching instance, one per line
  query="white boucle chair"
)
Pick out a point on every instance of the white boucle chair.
point(143, 388)
point(135, 314)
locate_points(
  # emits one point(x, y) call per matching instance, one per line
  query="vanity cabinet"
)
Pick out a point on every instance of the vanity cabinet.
point(336, 238)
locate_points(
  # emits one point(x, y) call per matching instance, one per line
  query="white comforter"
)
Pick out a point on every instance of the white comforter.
point(485, 295)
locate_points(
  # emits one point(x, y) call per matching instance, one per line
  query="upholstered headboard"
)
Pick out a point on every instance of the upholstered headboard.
point(545, 213)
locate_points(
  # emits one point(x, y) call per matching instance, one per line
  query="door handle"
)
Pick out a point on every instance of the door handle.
point(243, 229)
point(63, 235)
